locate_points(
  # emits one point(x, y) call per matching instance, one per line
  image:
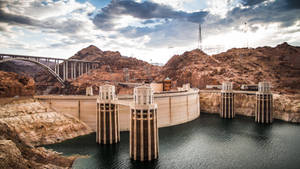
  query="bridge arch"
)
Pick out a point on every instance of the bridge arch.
point(38, 63)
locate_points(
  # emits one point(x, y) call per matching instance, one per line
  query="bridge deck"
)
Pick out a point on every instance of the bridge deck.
point(49, 58)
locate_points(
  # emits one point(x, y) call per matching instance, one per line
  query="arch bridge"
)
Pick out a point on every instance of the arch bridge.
point(61, 69)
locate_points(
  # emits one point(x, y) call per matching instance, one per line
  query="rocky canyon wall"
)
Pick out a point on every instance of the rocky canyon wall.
point(25, 124)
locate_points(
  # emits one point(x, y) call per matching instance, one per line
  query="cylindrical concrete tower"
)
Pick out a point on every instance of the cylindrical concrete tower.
point(264, 103)
point(89, 91)
point(143, 126)
point(108, 128)
point(227, 101)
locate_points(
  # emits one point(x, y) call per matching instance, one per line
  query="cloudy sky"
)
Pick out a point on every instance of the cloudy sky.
point(146, 29)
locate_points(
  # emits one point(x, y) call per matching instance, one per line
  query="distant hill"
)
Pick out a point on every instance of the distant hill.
point(114, 59)
point(111, 69)
point(279, 65)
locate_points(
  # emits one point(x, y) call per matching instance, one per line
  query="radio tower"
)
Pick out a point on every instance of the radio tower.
point(246, 34)
point(200, 38)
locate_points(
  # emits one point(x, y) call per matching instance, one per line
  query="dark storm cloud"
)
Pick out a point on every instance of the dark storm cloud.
point(148, 21)
point(15, 19)
point(251, 2)
point(285, 12)
point(288, 4)
point(293, 4)
point(144, 10)
point(70, 26)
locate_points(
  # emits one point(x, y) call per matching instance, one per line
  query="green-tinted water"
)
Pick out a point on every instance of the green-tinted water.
point(208, 142)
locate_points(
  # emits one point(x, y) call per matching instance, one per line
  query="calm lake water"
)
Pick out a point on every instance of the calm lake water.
point(207, 142)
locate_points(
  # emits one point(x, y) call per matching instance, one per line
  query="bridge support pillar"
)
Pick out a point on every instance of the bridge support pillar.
point(79, 71)
point(64, 70)
point(75, 71)
point(67, 70)
point(72, 70)
point(55, 66)
point(86, 68)
point(58, 67)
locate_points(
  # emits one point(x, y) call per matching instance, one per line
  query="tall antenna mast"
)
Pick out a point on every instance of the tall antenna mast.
point(246, 33)
point(200, 38)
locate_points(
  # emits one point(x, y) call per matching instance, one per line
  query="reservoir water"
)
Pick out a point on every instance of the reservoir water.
point(207, 142)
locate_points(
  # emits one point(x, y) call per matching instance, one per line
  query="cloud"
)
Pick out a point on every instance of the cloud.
point(15, 19)
point(144, 29)
point(52, 27)
point(252, 2)
point(285, 4)
point(279, 11)
point(145, 10)
point(177, 4)
point(148, 21)
point(53, 16)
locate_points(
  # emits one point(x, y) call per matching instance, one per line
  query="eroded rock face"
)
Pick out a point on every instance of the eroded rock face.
point(286, 107)
point(36, 124)
point(12, 84)
point(17, 154)
point(11, 157)
point(279, 65)
point(111, 70)
point(27, 123)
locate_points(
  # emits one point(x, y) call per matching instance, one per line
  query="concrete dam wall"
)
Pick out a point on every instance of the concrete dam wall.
point(173, 107)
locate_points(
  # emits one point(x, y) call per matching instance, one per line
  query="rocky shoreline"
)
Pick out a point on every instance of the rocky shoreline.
point(286, 107)
point(27, 124)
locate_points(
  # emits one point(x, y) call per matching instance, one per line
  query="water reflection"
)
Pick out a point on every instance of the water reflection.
point(107, 155)
point(207, 142)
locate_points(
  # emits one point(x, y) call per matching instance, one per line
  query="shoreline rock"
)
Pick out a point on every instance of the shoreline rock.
point(286, 107)
point(26, 124)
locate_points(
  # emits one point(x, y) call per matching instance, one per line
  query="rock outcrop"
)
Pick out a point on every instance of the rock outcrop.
point(12, 84)
point(37, 125)
point(279, 65)
point(111, 71)
point(286, 107)
point(27, 123)
point(16, 155)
